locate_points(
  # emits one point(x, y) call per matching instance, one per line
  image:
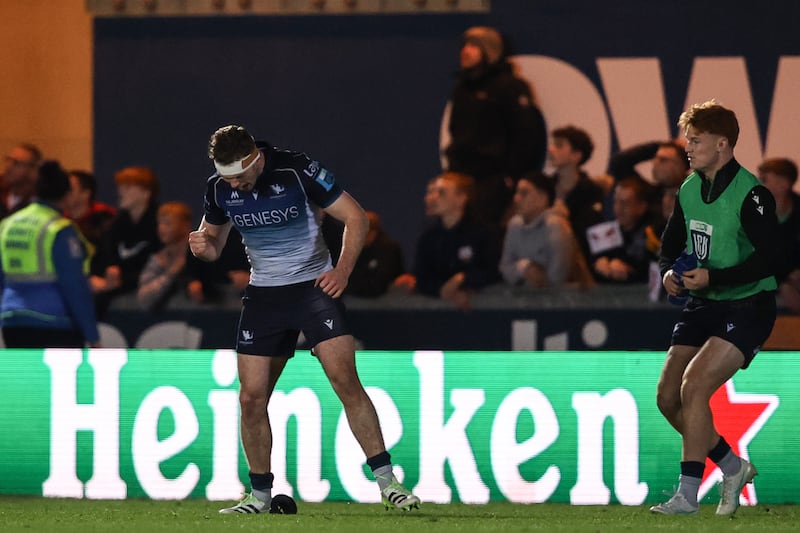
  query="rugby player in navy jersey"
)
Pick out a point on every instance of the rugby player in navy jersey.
point(275, 199)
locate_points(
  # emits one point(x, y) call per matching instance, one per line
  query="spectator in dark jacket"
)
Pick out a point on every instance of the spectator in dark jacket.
point(458, 255)
point(133, 236)
point(378, 265)
point(497, 132)
point(779, 175)
point(580, 198)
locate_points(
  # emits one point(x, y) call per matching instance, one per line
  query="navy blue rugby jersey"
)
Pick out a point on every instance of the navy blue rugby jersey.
point(280, 218)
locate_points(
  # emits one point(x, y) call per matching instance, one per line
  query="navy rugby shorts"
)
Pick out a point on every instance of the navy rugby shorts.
point(745, 323)
point(273, 317)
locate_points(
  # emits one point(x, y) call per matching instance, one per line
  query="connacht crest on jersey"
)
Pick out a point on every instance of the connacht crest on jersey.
point(700, 233)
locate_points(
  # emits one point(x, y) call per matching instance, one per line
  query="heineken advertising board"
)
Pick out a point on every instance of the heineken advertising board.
point(473, 427)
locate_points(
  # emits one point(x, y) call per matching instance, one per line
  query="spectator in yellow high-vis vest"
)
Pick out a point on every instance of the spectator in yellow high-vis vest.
point(46, 300)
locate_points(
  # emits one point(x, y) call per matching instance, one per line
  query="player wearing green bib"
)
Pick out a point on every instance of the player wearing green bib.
point(725, 219)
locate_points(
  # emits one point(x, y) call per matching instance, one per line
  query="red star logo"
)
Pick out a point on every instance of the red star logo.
point(738, 418)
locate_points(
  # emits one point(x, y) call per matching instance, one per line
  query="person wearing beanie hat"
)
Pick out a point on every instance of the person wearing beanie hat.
point(44, 260)
point(496, 131)
point(488, 40)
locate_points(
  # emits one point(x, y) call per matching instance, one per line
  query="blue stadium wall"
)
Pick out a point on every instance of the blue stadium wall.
point(364, 94)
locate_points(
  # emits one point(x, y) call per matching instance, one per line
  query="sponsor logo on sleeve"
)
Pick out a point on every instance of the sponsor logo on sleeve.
point(325, 179)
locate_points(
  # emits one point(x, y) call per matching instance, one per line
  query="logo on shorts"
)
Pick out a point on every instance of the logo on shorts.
point(247, 336)
point(329, 323)
point(729, 327)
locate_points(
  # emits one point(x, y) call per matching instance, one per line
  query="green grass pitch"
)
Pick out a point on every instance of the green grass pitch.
point(28, 514)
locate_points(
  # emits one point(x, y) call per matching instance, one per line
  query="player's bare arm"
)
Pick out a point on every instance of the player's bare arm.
point(207, 241)
point(347, 210)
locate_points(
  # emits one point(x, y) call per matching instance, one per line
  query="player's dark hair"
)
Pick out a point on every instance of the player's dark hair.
point(679, 151)
point(541, 182)
point(578, 139)
point(641, 189)
point(229, 144)
point(87, 182)
point(52, 182)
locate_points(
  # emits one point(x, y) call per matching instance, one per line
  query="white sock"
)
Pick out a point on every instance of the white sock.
point(730, 464)
point(263, 495)
point(689, 486)
point(384, 476)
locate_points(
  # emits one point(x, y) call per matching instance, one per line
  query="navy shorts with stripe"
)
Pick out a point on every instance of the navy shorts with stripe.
point(273, 317)
point(745, 323)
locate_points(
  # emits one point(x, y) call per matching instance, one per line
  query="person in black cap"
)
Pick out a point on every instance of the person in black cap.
point(497, 132)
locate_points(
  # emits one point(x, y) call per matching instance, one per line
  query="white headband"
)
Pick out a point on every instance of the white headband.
point(237, 167)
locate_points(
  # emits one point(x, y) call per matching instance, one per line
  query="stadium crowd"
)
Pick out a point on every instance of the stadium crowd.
point(513, 205)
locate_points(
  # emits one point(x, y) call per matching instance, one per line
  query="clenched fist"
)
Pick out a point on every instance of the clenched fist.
point(200, 245)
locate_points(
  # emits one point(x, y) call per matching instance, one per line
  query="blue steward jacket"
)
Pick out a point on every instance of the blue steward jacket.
point(63, 302)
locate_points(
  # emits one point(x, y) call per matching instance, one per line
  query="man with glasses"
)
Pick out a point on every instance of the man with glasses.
point(19, 178)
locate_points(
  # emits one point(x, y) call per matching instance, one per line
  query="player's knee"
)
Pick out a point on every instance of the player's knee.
point(693, 391)
point(343, 379)
point(350, 392)
point(252, 404)
point(668, 403)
